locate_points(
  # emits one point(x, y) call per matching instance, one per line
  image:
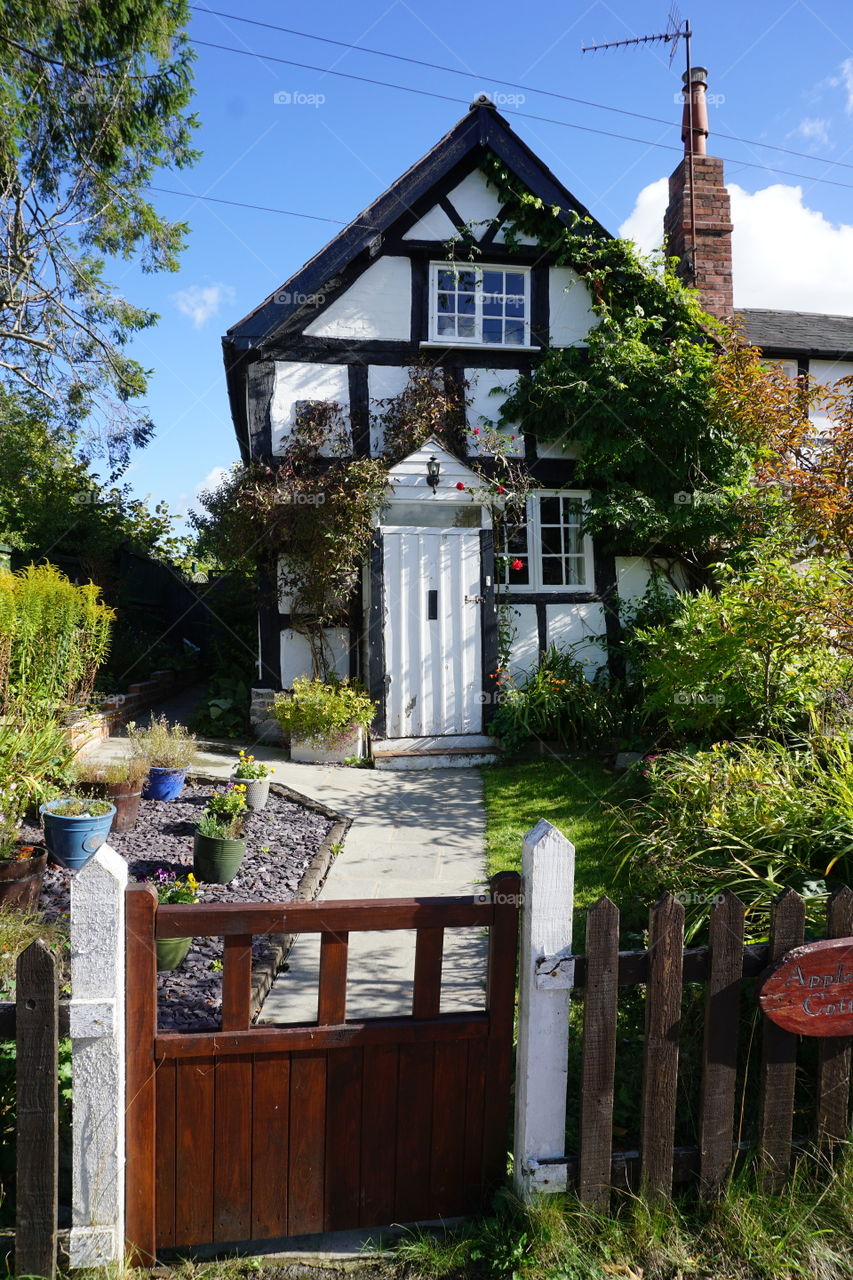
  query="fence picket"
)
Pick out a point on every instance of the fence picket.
point(37, 1136)
point(660, 1063)
point(719, 1058)
point(599, 1053)
point(426, 993)
point(237, 982)
point(332, 998)
point(779, 1055)
point(833, 1071)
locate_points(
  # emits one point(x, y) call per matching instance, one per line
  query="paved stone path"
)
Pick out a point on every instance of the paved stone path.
point(414, 834)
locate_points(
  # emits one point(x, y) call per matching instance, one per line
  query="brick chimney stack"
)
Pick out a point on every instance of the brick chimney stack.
point(698, 222)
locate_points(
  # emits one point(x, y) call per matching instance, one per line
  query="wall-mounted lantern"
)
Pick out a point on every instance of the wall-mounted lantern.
point(433, 469)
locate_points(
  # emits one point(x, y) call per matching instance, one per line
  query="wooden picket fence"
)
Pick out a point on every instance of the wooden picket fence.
point(663, 968)
point(33, 1022)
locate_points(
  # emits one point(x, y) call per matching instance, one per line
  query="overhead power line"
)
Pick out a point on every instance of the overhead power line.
point(260, 208)
point(511, 84)
point(523, 115)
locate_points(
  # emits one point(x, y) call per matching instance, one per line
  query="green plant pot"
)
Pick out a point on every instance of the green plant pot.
point(217, 861)
point(171, 952)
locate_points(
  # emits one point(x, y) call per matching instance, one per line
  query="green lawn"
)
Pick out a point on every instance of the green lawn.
point(572, 794)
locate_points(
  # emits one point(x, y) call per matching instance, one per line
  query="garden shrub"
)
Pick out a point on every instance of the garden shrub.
point(53, 638)
point(556, 700)
point(758, 657)
point(323, 711)
point(754, 816)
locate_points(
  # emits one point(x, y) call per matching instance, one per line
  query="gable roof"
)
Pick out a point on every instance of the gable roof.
point(482, 129)
point(799, 332)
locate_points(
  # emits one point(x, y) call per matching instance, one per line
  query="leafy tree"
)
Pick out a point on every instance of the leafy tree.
point(50, 502)
point(93, 100)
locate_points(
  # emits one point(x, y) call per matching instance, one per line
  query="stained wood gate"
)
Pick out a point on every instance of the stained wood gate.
point(255, 1133)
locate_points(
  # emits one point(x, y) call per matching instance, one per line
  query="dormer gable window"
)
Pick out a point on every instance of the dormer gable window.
point(479, 305)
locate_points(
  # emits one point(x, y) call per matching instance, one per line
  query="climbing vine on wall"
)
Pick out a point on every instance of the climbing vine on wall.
point(668, 459)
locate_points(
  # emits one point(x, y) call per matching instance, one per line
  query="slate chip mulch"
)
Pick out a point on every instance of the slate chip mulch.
point(281, 842)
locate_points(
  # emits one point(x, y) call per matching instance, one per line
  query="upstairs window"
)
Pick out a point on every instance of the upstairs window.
point(483, 306)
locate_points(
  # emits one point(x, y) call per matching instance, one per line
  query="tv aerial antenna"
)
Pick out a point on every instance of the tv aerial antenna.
point(676, 29)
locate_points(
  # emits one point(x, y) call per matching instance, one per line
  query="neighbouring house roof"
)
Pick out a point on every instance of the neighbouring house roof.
point(802, 333)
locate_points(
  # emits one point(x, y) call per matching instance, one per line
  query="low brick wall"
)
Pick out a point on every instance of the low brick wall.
point(115, 709)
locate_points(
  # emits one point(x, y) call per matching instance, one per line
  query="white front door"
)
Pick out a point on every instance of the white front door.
point(432, 607)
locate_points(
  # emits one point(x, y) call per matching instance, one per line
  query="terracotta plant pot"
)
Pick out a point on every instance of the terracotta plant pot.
point(171, 952)
point(21, 881)
point(217, 861)
point(257, 791)
point(125, 796)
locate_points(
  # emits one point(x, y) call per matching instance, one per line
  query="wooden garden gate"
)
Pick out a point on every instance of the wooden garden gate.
point(255, 1133)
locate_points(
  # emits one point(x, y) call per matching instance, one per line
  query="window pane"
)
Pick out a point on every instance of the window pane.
point(519, 577)
point(549, 510)
point(466, 280)
point(551, 540)
point(446, 302)
point(493, 282)
point(515, 307)
point(446, 324)
point(514, 283)
point(514, 333)
point(446, 279)
point(466, 327)
point(491, 305)
point(575, 571)
point(465, 304)
point(517, 542)
point(552, 571)
point(492, 330)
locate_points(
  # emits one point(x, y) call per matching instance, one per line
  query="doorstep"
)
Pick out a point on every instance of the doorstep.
point(448, 751)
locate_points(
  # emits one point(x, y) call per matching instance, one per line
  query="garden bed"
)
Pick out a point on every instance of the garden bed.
point(288, 847)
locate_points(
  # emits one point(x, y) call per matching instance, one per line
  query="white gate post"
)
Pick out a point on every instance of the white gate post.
point(545, 981)
point(97, 1060)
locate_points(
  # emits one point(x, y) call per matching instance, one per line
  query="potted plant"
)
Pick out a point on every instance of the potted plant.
point(254, 775)
point(75, 827)
point(220, 845)
point(169, 750)
point(326, 719)
point(119, 781)
point(171, 889)
point(21, 867)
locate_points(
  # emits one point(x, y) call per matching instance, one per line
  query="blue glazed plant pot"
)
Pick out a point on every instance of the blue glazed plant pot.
point(164, 784)
point(73, 840)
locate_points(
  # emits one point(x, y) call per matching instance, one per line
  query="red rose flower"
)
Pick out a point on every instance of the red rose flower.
point(476, 431)
point(459, 484)
point(517, 564)
point(501, 489)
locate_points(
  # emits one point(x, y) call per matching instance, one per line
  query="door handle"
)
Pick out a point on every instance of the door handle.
point(432, 606)
point(474, 599)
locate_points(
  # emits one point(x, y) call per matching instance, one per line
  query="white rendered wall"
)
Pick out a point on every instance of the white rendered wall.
point(434, 225)
point(570, 303)
point(383, 382)
point(378, 305)
point(569, 623)
point(475, 202)
point(524, 652)
point(296, 653)
point(294, 382)
point(481, 383)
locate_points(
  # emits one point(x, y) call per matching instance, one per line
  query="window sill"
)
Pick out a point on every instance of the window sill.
point(479, 346)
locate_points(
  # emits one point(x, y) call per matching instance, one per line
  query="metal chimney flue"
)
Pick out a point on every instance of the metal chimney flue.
point(694, 121)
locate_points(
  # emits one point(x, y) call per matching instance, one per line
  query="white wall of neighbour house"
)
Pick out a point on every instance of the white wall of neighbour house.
point(294, 382)
point(827, 372)
point(378, 305)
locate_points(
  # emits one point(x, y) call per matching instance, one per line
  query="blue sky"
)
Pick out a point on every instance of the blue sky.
point(778, 73)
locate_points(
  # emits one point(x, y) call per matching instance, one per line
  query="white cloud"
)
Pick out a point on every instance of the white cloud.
point(212, 480)
point(201, 302)
point(813, 130)
point(845, 79)
point(786, 255)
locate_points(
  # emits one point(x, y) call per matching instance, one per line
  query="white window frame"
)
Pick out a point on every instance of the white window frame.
point(534, 551)
point(437, 339)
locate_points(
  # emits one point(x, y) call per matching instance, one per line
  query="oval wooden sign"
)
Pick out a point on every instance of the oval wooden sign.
point(810, 990)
